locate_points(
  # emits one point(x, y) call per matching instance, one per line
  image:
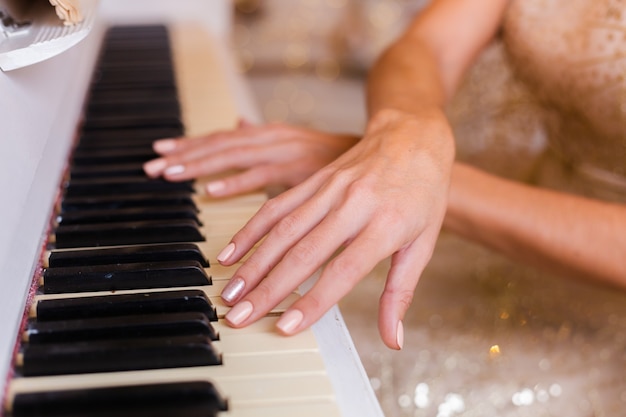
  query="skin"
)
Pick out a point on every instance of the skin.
point(355, 202)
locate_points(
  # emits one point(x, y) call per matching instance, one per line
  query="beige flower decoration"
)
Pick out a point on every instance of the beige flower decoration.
point(68, 11)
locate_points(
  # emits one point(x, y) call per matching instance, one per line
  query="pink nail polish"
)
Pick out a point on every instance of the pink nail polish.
point(239, 313)
point(400, 334)
point(155, 167)
point(233, 290)
point(175, 170)
point(226, 252)
point(165, 145)
point(215, 187)
point(289, 321)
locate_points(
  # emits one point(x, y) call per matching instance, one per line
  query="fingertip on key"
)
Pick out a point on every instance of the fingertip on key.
point(289, 321)
point(226, 253)
point(239, 313)
point(233, 290)
point(175, 170)
point(155, 167)
point(165, 145)
point(215, 188)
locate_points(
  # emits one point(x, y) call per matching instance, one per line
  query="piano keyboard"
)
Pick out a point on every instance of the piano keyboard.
point(127, 318)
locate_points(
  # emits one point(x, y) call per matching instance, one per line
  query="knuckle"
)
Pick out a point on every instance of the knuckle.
point(288, 226)
point(345, 268)
point(361, 190)
point(253, 269)
point(270, 207)
point(401, 297)
point(304, 253)
point(313, 303)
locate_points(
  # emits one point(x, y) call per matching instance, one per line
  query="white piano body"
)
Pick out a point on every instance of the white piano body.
point(40, 106)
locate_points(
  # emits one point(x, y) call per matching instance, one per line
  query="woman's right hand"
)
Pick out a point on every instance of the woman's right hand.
point(386, 196)
point(248, 157)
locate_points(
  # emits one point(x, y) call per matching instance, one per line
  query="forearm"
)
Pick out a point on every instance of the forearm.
point(563, 233)
point(406, 78)
point(424, 67)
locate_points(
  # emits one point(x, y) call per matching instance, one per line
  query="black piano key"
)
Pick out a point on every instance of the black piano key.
point(109, 99)
point(132, 78)
point(123, 327)
point(108, 170)
point(156, 46)
point(126, 215)
point(136, 32)
point(128, 233)
point(123, 277)
point(127, 200)
point(133, 122)
point(129, 137)
point(117, 355)
point(161, 302)
point(136, 106)
point(123, 185)
point(128, 254)
point(181, 399)
point(111, 156)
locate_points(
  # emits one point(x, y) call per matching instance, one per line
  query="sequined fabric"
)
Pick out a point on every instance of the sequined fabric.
point(547, 102)
point(571, 54)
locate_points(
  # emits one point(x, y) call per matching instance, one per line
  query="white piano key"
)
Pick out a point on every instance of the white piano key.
point(285, 376)
point(300, 409)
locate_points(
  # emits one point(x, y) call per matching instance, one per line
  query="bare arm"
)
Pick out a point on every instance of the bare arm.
point(564, 233)
point(425, 66)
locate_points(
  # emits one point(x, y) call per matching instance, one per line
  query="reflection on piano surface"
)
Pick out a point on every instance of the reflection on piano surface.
point(126, 316)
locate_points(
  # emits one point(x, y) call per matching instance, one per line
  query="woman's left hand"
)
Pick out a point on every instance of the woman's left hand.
point(248, 157)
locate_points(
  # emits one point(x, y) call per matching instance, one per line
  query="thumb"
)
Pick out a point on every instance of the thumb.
point(406, 268)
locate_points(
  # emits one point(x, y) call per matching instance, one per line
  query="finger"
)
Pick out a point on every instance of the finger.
point(177, 151)
point(407, 266)
point(234, 158)
point(282, 244)
point(249, 180)
point(300, 262)
point(338, 278)
point(273, 210)
point(168, 146)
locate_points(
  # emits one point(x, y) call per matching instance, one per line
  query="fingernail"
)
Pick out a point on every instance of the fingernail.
point(239, 313)
point(175, 170)
point(400, 335)
point(214, 188)
point(289, 321)
point(154, 167)
point(233, 289)
point(226, 252)
point(165, 145)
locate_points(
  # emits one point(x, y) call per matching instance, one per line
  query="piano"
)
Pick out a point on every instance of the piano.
point(53, 109)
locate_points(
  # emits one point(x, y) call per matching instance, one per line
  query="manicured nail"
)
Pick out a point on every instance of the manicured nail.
point(165, 145)
point(233, 289)
point(226, 252)
point(175, 170)
point(215, 187)
point(289, 321)
point(155, 167)
point(400, 335)
point(239, 313)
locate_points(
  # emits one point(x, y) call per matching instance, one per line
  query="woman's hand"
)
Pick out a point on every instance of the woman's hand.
point(386, 196)
point(260, 156)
